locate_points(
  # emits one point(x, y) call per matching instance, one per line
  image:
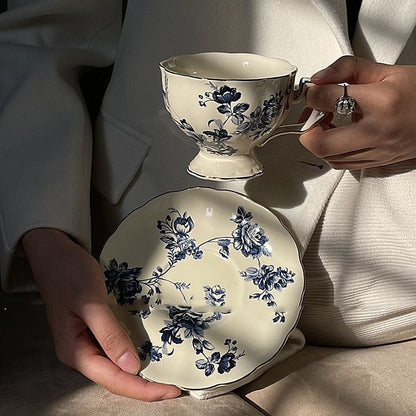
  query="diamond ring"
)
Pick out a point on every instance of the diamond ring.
point(345, 105)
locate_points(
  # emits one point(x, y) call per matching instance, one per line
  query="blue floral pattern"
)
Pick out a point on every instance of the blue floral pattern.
point(184, 324)
point(126, 283)
point(234, 118)
point(267, 279)
point(248, 238)
point(215, 295)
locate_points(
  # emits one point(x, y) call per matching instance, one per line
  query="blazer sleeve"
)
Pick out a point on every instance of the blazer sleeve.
point(45, 128)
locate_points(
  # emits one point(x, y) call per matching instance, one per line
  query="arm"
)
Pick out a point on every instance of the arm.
point(45, 150)
point(86, 334)
point(45, 132)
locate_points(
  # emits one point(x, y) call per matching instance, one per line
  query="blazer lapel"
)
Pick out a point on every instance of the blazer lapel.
point(383, 29)
point(335, 13)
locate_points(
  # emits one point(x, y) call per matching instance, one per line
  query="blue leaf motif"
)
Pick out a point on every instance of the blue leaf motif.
point(241, 108)
point(279, 317)
point(224, 109)
point(216, 357)
point(209, 369)
point(200, 364)
point(168, 240)
point(197, 345)
point(224, 247)
point(207, 345)
point(242, 216)
point(238, 120)
point(259, 121)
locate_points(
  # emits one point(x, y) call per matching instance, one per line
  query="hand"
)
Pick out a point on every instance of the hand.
point(86, 334)
point(383, 128)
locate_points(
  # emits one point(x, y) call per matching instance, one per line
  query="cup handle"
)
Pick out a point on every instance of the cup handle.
point(299, 128)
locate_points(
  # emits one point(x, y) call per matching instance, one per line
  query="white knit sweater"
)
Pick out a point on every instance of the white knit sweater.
point(360, 267)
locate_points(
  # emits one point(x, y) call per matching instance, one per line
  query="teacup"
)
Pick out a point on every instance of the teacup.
point(229, 103)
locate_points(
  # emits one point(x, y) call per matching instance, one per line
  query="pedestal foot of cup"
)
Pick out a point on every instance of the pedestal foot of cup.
point(225, 168)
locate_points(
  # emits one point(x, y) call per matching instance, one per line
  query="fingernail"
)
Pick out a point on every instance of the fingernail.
point(128, 363)
point(171, 395)
point(323, 74)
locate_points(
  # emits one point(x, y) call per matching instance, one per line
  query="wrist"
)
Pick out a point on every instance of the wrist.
point(51, 253)
point(43, 239)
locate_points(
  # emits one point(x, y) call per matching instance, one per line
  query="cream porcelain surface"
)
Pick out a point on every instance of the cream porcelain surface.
point(228, 65)
point(208, 283)
point(227, 104)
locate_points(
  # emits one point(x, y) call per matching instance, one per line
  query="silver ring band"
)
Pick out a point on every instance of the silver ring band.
point(345, 105)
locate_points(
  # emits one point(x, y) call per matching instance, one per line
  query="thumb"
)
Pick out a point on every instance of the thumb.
point(112, 338)
point(352, 70)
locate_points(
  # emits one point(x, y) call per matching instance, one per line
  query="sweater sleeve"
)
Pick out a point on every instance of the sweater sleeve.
point(45, 129)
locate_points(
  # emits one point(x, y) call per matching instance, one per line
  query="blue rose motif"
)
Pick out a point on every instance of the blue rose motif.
point(226, 95)
point(147, 349)
point(170, 333)
point(183, 225)
point(192, 322)
point(227, 363)
point(256, 122)
point(267, 278)
point(218, 135)
point(123, 282)
point(127, 289)
point(215, 295)
point(271, 108)
point(185, 248)
point(251, 240)
point(261, 118)
point(183, 317)
point(285, 276)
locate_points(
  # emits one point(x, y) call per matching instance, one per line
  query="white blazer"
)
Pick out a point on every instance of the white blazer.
point(46, 141)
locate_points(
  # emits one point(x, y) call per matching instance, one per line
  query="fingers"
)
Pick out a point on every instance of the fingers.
point(338, 151)
point(324, 142)
point(88, 360)
point(324, 97)
point(119, 374)
point(382, 99)
point(326, 120)
point(379, 129)
point(352, 70)
point(114, 341)
point(347, 147)
point(369, 89)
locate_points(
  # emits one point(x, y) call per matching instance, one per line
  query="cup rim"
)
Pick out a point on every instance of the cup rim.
point(164, 65)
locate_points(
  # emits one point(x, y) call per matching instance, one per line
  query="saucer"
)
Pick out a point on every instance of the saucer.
point(208, 285)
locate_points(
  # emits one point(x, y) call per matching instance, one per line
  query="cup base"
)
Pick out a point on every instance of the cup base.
point(226, 168)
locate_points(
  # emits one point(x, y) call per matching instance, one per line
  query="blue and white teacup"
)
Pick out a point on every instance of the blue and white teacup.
point(229, 103)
